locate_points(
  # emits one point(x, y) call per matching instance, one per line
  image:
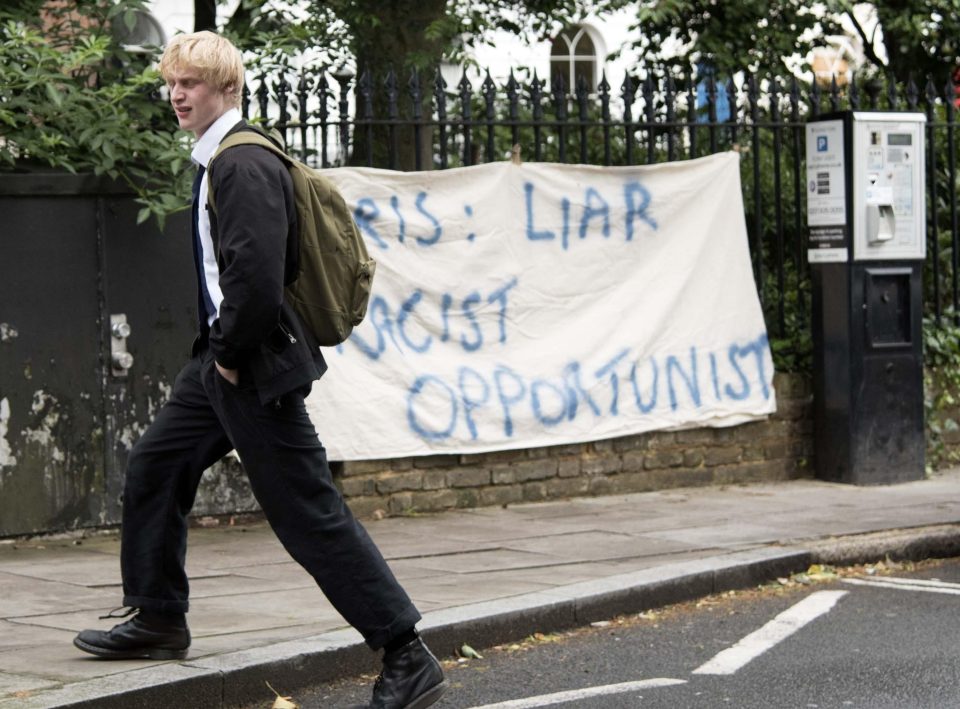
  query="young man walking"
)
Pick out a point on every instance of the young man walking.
point(244, 387)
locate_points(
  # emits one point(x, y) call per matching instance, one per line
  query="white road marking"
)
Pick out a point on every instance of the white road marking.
point(909, 585)
point(780, 628)
point(914, 582)
point(545, 700)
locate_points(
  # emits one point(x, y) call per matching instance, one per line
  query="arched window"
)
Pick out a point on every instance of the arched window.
point(574, 54)
point(145, 33)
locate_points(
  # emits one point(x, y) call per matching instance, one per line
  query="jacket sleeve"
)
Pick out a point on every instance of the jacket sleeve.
point(253, 193)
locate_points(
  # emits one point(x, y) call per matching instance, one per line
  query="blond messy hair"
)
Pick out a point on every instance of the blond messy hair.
point(213, 58)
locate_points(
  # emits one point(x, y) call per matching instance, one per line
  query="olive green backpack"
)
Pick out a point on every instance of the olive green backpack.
point(332, 288)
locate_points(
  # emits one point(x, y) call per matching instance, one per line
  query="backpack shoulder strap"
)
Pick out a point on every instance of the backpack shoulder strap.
point(249, 137)
point(242, 137)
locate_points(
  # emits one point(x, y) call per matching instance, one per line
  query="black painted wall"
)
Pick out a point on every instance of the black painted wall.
point(71, 254)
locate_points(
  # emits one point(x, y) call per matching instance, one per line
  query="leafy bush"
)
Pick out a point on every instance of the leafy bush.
point(941, 373)
point(72, 98)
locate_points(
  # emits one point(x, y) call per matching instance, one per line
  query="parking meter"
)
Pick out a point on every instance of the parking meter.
point(866, 219)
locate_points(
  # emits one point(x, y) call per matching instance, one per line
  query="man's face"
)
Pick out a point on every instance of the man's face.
point(196, 103)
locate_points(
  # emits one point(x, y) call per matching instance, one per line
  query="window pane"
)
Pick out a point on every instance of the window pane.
point(560, 69)
point(573, 55)
point(585, 46)
point(586, 70)
point(561, 46)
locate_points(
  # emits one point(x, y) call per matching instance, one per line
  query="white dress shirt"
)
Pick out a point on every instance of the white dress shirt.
point(201, 154)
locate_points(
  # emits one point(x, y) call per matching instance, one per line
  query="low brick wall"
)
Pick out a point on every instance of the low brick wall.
point(943, 445)
point(778, 448)
point(950, 455)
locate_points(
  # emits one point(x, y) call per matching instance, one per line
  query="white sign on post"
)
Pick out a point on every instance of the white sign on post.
point(826, 193)
point(519, 306)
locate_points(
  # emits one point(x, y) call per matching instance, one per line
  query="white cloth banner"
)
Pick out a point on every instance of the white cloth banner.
point(519, 306)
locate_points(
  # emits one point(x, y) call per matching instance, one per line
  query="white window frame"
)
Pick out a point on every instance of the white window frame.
point(571, 58)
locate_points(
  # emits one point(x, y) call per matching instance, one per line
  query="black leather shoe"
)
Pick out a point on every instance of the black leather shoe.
point(137, 638)
point(411, 679)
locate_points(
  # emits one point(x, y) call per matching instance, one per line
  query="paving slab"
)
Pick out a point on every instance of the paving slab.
point(489, 575)
point(24, 595)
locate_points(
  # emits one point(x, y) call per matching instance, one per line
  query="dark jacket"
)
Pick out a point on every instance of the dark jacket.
point(254, 231)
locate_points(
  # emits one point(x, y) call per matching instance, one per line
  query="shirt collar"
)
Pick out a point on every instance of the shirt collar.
point(210, 141)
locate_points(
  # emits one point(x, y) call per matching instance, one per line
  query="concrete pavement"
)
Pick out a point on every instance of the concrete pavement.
point(479, 576)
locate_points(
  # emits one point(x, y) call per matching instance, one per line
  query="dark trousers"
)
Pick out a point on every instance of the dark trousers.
point(205, 418)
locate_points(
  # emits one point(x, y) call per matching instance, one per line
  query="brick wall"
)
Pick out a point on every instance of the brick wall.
point(950, 454)
point(943, 444)
point(776, 449)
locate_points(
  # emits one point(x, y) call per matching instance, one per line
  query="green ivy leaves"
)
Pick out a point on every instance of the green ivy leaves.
point(72, 98)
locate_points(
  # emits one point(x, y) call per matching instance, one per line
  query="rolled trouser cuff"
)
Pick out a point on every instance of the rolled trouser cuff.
point(156, 605)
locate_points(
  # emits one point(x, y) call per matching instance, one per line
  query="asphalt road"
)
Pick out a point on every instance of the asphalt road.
point(870, 640)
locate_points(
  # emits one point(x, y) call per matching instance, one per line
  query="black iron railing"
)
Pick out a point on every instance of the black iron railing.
point(333, 119)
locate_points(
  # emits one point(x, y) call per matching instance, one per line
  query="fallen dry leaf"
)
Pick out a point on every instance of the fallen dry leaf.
point(282, 702)
point(469, 652)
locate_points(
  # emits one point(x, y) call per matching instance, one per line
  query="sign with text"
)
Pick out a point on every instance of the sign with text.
point(826, 193)
point(519, 306)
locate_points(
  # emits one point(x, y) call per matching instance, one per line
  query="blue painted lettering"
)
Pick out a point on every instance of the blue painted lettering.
point(500, 296)
point(713, 376)
point(638, 397)
point(364, 215)
point(477, 342)
point(445, 304)
point(470, 400)
point(690, 378)
point(507, 399)
point(637, 210)
point(378, 313)
point(760, 347)
point(532, 233)
point(405, 310)
point(594, 206)
point(575, 391)
point(610, 369)
point(419, 321)
point(429, 430)
point(437, 229)
point(401, 224)
point(433, 406)
point(536, 401)
point(733, 353)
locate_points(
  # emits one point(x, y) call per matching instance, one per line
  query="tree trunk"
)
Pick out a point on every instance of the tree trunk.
point(204, 15)
point(395, 41)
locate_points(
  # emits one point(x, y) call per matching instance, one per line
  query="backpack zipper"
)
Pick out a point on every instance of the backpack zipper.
point(285, 331)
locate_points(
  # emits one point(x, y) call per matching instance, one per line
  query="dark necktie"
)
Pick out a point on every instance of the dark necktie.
point(205, 306)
